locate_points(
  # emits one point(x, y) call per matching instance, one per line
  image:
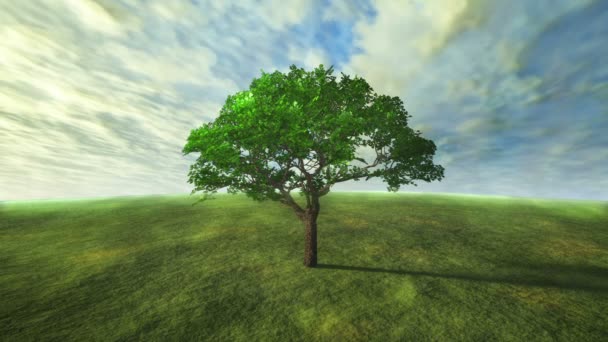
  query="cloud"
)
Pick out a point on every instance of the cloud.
point(311, 58)
point(575, 71)
point(404, 35)
point(341, 11)
point(97, 98)
point(93, 16)
point(471, 97)
point(106, 91)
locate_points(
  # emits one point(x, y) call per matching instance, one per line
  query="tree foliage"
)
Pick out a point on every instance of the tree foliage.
point(301, 130)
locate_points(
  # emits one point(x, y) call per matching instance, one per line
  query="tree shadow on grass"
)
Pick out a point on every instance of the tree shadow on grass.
point(584, 278)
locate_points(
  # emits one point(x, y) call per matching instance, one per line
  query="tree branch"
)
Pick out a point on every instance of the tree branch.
point(308, 183)
point(325, 189)
point(288, 200)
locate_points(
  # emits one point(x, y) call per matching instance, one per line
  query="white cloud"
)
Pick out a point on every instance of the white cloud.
point(278, 14)
point(93, 16)
point(400, 39)
point(308, 58)
point(176, 10)
point(104, 105)
point(345, 10)
point(97, 97)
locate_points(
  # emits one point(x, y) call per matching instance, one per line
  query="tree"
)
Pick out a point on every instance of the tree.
point(300, 131)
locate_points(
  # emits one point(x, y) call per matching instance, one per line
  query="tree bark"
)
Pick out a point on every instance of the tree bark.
point(310, 244)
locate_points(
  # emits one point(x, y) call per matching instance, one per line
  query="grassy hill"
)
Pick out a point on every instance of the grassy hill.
point(391, 266)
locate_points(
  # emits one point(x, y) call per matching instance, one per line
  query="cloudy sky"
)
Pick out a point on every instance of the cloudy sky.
point(97, 97)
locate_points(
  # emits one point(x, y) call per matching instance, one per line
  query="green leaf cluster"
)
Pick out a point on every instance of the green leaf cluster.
point(301, 130)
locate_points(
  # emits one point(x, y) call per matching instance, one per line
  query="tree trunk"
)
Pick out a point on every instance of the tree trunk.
point(310, 221)
point(310, 245)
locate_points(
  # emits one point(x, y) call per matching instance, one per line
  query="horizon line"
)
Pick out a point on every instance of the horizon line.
point(379, 192)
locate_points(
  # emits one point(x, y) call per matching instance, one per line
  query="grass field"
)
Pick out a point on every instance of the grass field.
point(391, 267)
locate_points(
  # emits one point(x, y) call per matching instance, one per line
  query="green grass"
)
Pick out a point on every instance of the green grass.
point(391, 267)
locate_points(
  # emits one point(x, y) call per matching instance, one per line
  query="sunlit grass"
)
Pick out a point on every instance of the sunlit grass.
point(391, 266)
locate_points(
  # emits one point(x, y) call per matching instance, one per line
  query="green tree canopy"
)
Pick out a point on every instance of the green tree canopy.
point(301, 130)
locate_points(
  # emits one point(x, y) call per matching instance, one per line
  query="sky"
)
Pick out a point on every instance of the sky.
point(98, 97)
